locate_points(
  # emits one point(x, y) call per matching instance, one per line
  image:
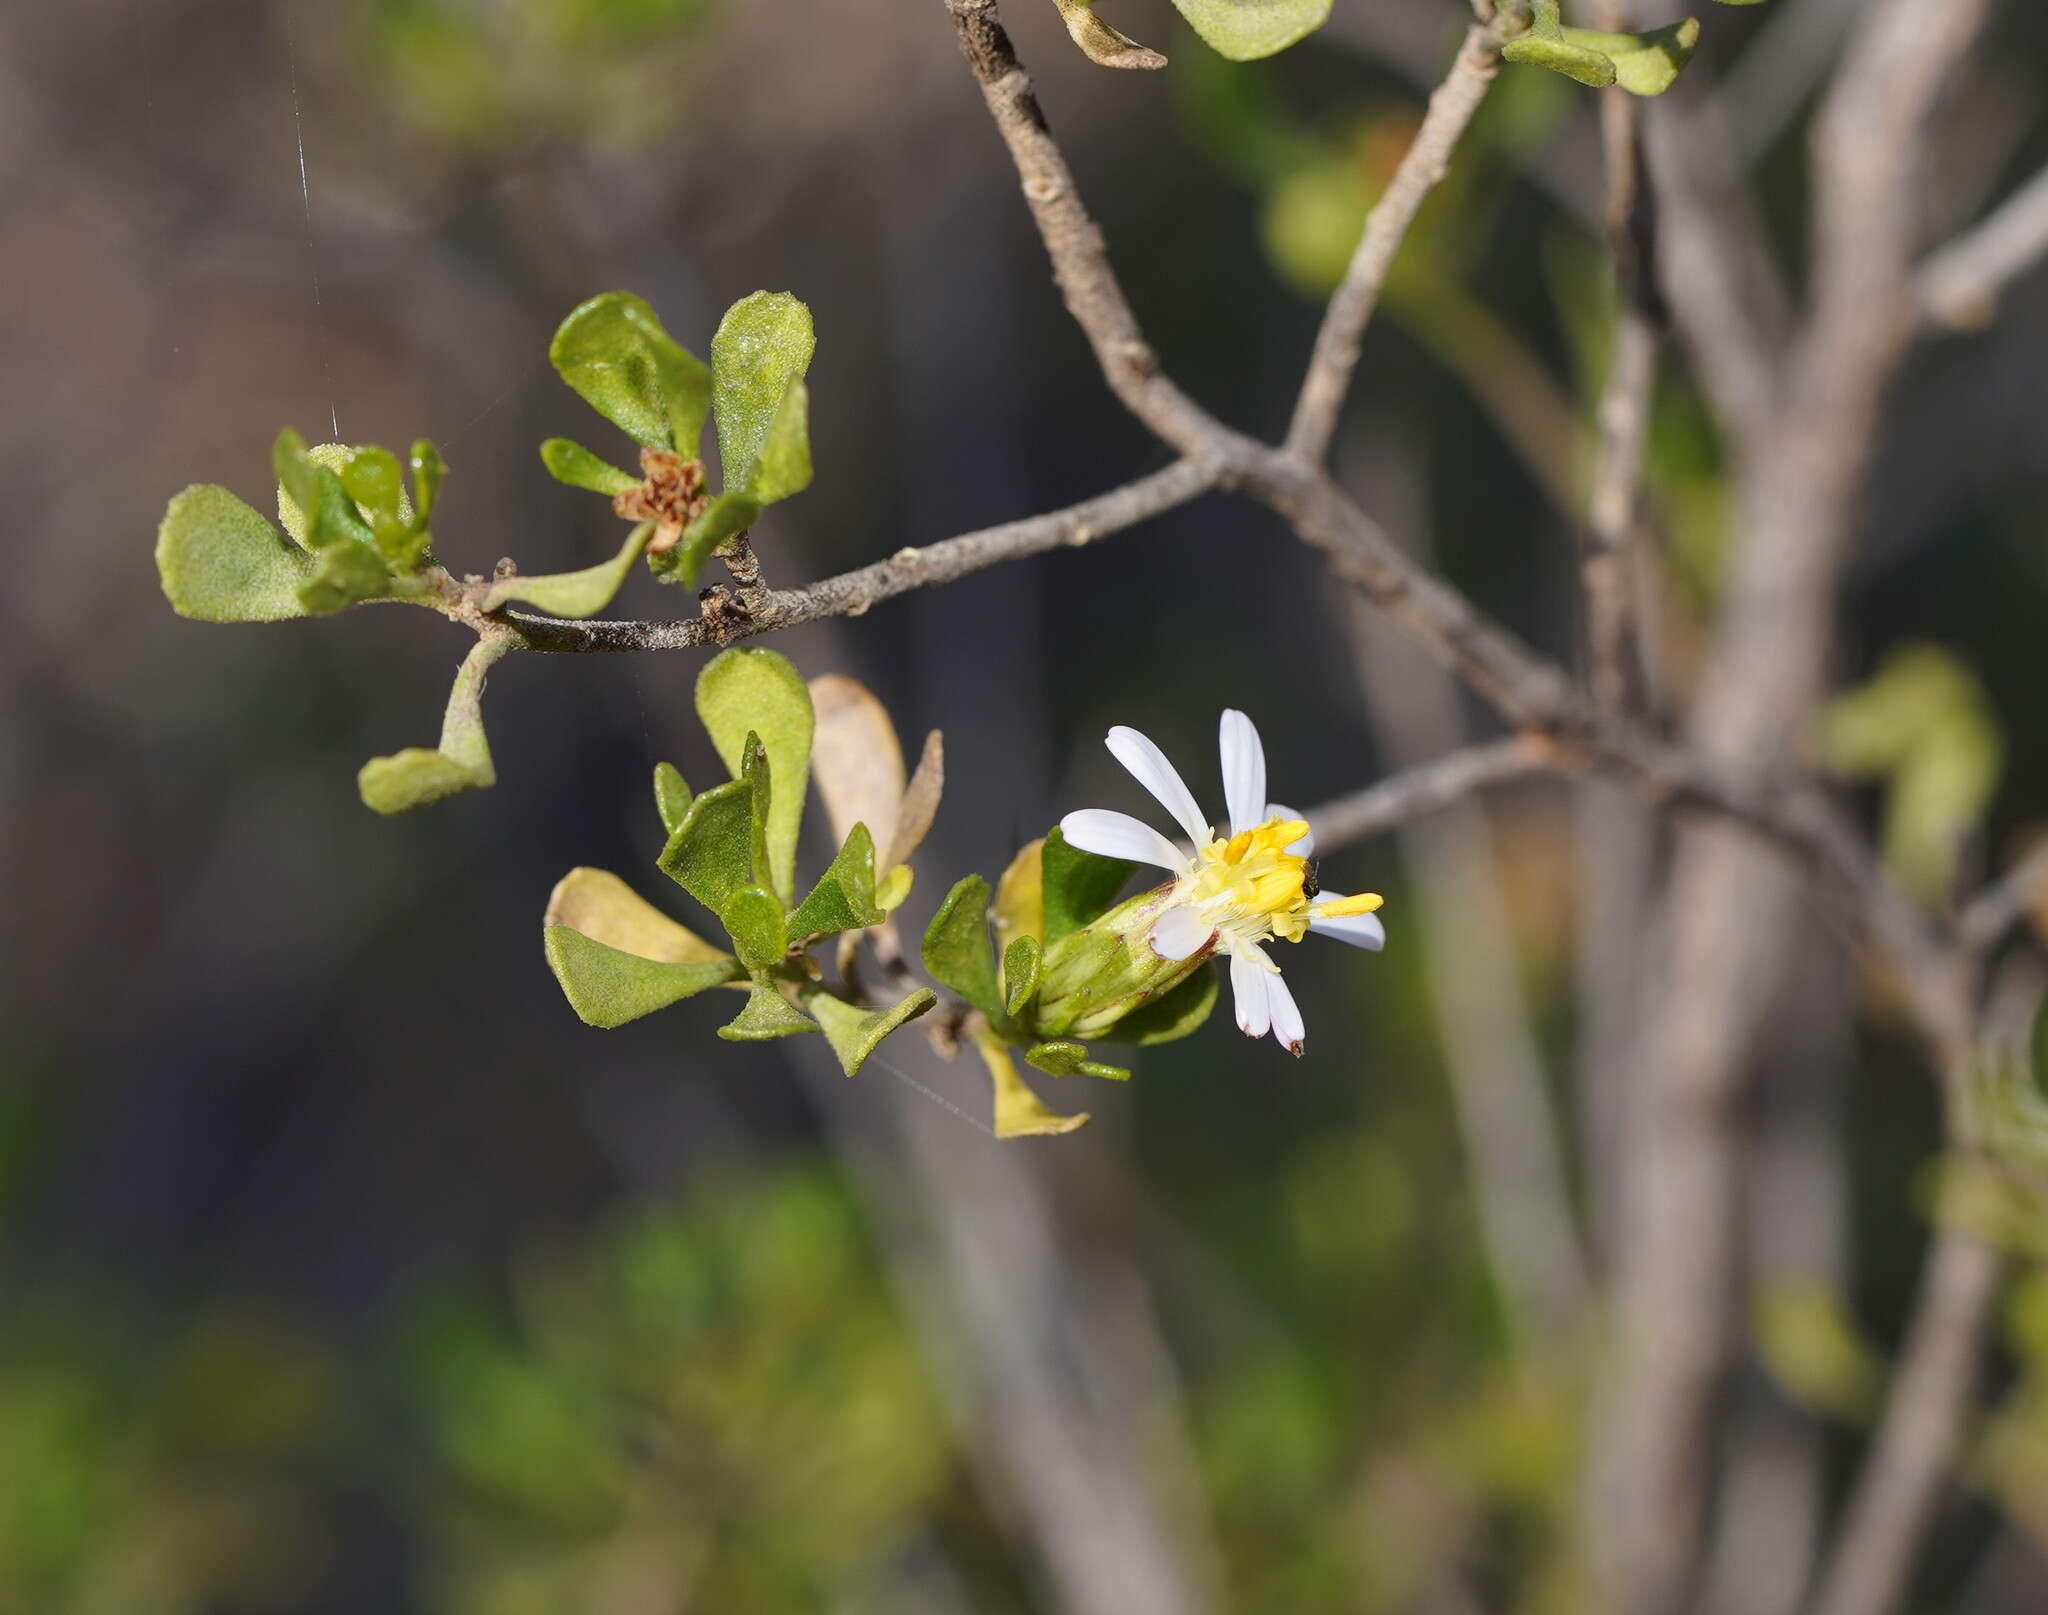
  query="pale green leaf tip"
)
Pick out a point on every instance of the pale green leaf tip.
point(416, 778)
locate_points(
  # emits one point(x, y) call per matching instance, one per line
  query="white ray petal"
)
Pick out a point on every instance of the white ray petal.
point(1149, 767)
point(1244, 771)
point(1306, 846)
point(1118, 835)
point(1288, 1030)
point(1180, 932)
point(1248, 980)
point(1360, 930)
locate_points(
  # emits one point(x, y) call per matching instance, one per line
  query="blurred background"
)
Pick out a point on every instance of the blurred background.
point(342, 1269)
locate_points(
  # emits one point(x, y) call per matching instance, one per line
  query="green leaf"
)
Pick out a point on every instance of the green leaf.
point(957, 951)
point(374, 482)
point(2037, 1047)
point(1545, 45)
point(844, 898)
point(711, 853)
point(1079, 887)
point(725, 517)
point(614, 352)
point(574, 464)
point(1646, 63)
point(671, 796)
point(1065, 1059)
point(767, 1014)
point(759, 775)
point(784, 464)
point(750, 690)
point(1244, 30)
point(220, 561)
point(574, 594)
point(607, 987)
point(854, 1032)
point(429, 471)
point(753, 919)
point(298, 479)
point(1021, 961)
point(605, 909)
point(1175, 1013)
point(349, 570)
point(416, 777)
point(758, 358)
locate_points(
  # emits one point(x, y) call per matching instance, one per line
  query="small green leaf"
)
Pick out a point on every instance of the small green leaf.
point(767, 1014)
point(1021, 961)
point(1244, 30)
point(429, 471)
point(574, 464)
point(759, 775)
point(1079, 887)
point(724, 518)
point(761, 352)
point(298, 479)
point(416, 777)
point(607, 987)
point(220, 561)
point(1646, 63)
point(749, 690)
point(854, 1032)
point(783, 466)
point(753, 919)
point(957, 950)
point(844, 898)
point(374, 482)
point(671, 796)
point(349, 570)
point(1175, 1013)
point(1545, 45)
point(614, 352)
point(711, 853)
point(1066, 1059)
point(574, 594)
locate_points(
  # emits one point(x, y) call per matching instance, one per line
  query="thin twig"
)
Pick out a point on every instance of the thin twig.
point(1423, 165)
point(2005, 902)
point(1426, 788)
point(853, 593)
point(1960, 283)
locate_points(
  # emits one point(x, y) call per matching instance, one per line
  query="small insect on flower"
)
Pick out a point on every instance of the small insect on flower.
point(1231, 895)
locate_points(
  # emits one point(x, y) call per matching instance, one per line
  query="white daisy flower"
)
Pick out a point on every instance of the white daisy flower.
point(1231, 895)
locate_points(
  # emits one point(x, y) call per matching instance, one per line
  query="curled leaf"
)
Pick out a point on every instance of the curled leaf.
point(1546, 45)
point(844, 898)
point(220, 561)
point(1646, 63)
point(710, 854)
point(855, 757)
point(608, 986)
point(605, 909)
point(574, 594)
point(1069, 1059)
point(854, 1032)
point(571, 462)
point(1020, 1113)
point(1102, 44)
point(920, 802)
point(753, 919)
point(767, 1014)
point(750, 690)
point(1021, 961)
point(614, 352)
point(957, 950)
point(416, 777)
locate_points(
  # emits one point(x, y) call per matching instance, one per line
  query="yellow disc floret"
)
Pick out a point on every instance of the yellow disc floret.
point(1251, 887)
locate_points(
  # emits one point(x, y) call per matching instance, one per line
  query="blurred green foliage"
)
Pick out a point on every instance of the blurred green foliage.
point(492, 73)
point(712, 1403)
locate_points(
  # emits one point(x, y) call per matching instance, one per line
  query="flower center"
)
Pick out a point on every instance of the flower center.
point(1251, 887)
